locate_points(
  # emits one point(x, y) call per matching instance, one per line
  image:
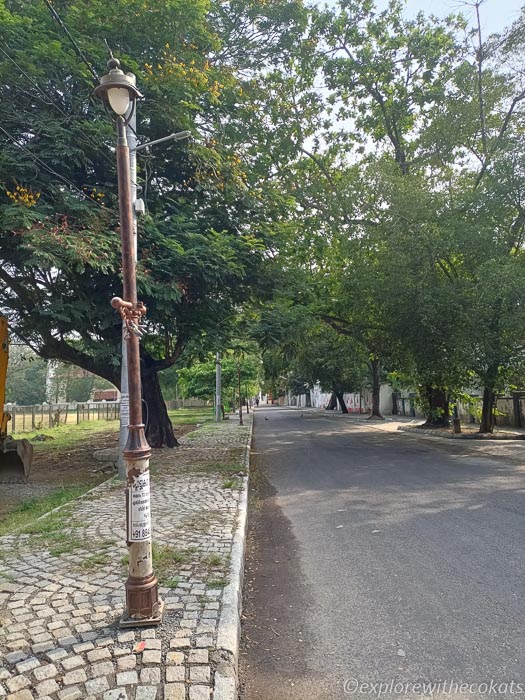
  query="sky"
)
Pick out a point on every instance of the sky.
point(495, 14)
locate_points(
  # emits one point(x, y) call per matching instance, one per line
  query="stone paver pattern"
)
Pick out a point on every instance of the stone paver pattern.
point(62, 583)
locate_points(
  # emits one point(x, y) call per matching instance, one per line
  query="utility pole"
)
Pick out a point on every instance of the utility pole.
point(240, 399)
point(218, 401)
point(131, 130)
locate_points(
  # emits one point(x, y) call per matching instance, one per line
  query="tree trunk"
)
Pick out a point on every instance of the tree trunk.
point(376, 388)
point(332, 404)
point(159, 429)
point(439, 408)
point(341, 400)
point(487, 412)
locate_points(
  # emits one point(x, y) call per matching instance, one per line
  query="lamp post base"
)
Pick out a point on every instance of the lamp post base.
point(153, 621)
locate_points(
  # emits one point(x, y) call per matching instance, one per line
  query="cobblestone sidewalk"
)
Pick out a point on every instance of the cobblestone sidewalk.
point(62, 584)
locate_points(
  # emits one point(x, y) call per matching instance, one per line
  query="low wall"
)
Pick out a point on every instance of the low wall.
point(510, 410)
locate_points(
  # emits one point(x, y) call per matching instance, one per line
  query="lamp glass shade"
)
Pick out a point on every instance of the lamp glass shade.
point(119, 100)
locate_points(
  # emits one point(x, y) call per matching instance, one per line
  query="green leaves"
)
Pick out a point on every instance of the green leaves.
point(203, 247)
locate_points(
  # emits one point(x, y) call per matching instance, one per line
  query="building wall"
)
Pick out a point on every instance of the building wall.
point(358, 402)
point(362, 403)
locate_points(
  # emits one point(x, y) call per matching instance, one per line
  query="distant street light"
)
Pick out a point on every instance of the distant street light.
point(218, 399)
point(143, 607)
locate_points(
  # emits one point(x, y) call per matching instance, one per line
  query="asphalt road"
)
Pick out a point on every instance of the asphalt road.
point(381, 557)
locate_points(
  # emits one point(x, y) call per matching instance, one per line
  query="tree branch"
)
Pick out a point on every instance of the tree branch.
point(152, 366)
point(500, 135)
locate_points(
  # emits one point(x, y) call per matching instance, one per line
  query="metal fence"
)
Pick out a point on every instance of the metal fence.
point(42, 416)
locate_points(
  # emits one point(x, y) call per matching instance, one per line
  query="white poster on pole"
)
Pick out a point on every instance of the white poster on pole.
point(124, 410)
point(139, 509)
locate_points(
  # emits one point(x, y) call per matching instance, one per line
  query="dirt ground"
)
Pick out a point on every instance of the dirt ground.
point(56, 467)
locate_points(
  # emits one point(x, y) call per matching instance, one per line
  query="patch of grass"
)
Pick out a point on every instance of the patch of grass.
point(201, 522)
point(190, 416)
point(234, 483)
point(54, 533)
point(50, 525)
point(30, 510)
point(164, 555)
point(68, 436)
point(226, 468)
point(95, 561)
point(212, 560)
point(65, 546)
point(171, 582)
point(217, 582)
point(167, 561)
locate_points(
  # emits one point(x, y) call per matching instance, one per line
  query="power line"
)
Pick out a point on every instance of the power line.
point(77, 48)
point(87, 139)
point(49, 169)
point(10, 58)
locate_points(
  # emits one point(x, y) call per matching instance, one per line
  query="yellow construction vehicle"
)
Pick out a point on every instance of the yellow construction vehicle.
point(16, 456)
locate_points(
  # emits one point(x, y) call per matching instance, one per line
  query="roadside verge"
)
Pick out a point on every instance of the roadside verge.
point(229, 630)
point(62, 584)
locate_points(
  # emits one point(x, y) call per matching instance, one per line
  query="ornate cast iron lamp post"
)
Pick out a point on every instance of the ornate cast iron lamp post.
point(143, 607)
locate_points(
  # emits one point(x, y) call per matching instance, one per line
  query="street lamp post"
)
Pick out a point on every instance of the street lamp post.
point(241, 422)
point(124, 392)
point(143, 607)
point(218, 398)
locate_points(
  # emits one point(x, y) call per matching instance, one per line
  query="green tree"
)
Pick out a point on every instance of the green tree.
point(202, 245)
point(332, 360)
point(68, 383)
point(441, 190)
point(199, 380)
point(26, 377)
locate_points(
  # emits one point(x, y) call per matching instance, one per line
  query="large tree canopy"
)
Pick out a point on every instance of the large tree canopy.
point(406, 194)
point(362, 170)
point(202, 243)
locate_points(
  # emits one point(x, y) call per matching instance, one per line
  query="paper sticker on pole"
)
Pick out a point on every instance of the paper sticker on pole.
point(124, 409)
point(139, 524)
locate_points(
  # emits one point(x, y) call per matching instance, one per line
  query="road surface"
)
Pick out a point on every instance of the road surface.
point(381, 558)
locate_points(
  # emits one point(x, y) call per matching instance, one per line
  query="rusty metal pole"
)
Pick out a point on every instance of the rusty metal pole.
point(241, 422)
point(143, 606)
point(218, 399)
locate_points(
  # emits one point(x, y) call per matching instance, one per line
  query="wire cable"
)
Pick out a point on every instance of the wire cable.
point(77, 48)
point(50, 170)
point(47, 97)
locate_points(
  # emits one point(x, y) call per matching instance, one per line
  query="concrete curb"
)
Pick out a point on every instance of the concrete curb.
point(229, 633)
point(460, 436)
